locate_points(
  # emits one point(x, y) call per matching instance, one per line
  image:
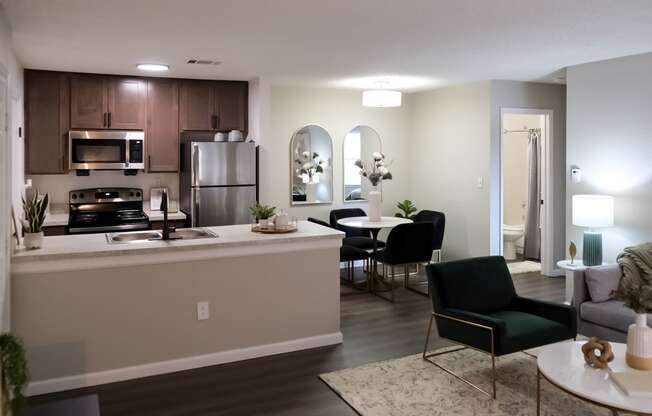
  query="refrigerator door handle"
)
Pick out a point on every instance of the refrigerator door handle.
point(195, 207)
point(195, 164)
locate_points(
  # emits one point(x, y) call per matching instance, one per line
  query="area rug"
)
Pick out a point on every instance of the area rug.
point(410, 386)
point(524, 267)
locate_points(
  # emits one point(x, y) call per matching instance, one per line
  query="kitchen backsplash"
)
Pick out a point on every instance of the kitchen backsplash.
point(58, 186)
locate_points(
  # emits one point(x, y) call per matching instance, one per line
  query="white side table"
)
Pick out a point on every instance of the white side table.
point(571, 267)
point(563, 365)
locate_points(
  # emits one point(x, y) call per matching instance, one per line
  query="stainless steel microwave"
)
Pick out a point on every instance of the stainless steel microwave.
point(106, 150)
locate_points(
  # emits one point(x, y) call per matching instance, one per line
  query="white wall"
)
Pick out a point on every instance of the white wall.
point(12, 152)
point(449, 150)
point(338, 111)
point(610, 139)
point(515, 94)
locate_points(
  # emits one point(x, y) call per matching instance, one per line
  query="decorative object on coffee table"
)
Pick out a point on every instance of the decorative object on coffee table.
point(35, 210)
point(603, 358)
point(593, 211)
point(572, 250)
point(375, 171)
point(638, 297)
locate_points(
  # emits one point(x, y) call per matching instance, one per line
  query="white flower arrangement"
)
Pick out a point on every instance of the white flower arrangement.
point(309, 165)
point(376, 170)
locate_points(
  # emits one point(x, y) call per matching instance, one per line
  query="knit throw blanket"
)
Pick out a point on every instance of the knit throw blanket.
point(636, 263)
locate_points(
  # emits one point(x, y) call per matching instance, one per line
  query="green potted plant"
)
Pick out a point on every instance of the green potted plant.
point(408, 209)
point(14, 374)
point(262, 213)
point(34, 211)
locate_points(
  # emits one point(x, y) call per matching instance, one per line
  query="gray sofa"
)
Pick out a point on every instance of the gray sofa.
point(606, 320)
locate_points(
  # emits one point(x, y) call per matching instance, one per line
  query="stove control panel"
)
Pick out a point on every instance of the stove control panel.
point(105, 195)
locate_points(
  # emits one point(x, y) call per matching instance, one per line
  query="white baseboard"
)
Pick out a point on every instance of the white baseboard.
point(180, 364)
point(557, 273)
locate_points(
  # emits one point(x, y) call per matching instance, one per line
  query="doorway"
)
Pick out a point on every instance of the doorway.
point(525, 191)
point(5, 198)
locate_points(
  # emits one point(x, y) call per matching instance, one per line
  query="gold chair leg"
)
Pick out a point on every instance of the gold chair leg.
point(429, 358)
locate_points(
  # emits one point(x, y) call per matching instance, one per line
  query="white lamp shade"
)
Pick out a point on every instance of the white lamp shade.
point(593, 210)
point(381, 98)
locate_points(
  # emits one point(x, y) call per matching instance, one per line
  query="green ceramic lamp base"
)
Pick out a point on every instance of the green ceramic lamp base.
point(592, 249)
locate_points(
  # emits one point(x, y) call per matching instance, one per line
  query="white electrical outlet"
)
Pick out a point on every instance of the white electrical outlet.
point(203, 311)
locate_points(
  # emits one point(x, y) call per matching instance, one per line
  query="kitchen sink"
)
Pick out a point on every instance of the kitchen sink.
point(143, 236)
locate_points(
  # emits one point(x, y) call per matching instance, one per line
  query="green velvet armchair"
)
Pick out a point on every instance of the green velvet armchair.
point(475, 304)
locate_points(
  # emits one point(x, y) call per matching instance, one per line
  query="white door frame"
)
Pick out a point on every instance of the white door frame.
point(547, 185)
point(5, 203)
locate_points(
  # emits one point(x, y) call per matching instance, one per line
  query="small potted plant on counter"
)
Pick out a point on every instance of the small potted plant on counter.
point(14, 373)
point(263, 214)
point(34, 211)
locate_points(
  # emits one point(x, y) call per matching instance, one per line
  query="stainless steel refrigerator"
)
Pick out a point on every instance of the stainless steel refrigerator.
point(218, 182)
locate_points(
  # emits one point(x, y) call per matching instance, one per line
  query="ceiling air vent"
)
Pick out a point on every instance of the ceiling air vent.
point(203, 62)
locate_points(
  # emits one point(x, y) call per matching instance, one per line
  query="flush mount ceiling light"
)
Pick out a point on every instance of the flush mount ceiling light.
point(381, 97)
point(153, 67)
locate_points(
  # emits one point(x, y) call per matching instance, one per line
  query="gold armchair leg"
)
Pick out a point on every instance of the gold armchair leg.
point(429, 358)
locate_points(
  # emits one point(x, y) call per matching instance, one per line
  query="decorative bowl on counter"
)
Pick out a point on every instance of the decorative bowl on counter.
point(271, 226)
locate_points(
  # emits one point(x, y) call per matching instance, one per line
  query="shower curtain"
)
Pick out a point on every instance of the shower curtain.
point(532, 246)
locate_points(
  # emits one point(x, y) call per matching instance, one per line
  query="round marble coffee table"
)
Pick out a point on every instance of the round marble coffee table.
point(563, 365)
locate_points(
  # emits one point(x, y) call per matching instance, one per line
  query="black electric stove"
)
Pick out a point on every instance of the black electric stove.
point(106, 210)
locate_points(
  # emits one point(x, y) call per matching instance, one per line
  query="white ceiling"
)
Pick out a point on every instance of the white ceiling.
point(330, 42)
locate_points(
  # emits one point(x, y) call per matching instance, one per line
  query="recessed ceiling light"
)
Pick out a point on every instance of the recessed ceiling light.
point(153, 67)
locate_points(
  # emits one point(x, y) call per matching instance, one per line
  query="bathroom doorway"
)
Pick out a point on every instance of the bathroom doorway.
point(525, 170)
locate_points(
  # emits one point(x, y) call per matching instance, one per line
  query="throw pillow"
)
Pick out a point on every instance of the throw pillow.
point(602, 280)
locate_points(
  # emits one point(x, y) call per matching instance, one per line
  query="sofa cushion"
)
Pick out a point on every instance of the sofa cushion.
point(612, 314)
point(524, 331)
point(602, 280)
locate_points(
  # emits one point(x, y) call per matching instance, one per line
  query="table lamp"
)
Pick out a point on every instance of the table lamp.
point(593, 211)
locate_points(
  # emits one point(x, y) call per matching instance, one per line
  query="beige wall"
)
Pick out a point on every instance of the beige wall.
point(338, 111)
point(449, 151)
point(610, 139)
point(79, 322)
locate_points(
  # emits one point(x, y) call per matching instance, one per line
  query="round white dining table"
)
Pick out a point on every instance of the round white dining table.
point(374, 227)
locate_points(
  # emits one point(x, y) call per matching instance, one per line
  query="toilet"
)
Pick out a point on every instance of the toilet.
point(511, 236)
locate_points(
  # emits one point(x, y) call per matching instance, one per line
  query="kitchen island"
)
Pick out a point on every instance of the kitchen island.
point(91, 312)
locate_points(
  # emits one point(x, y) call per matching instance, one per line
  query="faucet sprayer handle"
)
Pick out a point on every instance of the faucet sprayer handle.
point(164, 201)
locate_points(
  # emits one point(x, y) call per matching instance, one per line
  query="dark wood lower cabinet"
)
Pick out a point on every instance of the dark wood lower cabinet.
point(158, 225)
point(55, 230)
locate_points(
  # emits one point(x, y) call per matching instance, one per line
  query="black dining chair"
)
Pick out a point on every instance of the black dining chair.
point(406, 244)
point(356, 237)
point(439, 221)
point(348, 254)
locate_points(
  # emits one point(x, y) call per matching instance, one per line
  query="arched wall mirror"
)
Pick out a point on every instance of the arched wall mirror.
point(311, 166)
point(359, 143)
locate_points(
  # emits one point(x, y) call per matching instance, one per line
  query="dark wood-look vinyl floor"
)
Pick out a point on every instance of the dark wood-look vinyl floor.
point(287, 384)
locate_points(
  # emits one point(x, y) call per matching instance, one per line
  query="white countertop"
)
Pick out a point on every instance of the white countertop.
point(88, 251)
point(60, 218)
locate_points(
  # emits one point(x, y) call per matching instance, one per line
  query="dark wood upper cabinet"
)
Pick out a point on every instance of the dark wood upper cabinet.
point(46, 121)
point(162, 133)
point(126, 103)
point(107, 102)
point(214, 105)
point(87, 102)
point(232, 102)
point(197, 105)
